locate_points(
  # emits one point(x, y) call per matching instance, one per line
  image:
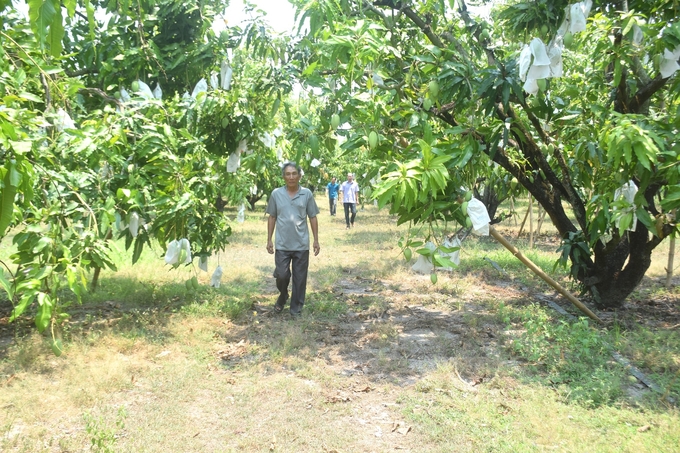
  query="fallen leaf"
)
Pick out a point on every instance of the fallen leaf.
point(339, 399)
point(404, 430)
point(363, 389)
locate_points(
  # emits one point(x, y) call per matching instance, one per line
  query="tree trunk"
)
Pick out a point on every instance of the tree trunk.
point(252, 199)
point(617, 267)
point(614, 278)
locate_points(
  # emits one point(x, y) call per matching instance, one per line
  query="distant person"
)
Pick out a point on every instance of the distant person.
point(350, 198)
point(289, 207)
point(332, 189)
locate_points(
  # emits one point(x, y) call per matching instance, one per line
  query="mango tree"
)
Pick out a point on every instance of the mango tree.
point(575, 100)
point(91, 153)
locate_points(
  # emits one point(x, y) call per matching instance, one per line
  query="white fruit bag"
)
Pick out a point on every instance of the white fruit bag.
point(479, 217)
point(201, 87)
point(144, 90)
point(134, 224)
point(185, 249)
point(578, 19)
point(216, 277)
point(539, 52)
point(531, 86)
point(233, 162)
point(627, 192)
point(172, 254)
point(225, 75)
point(524, 62)
point(203, 263)
point(423, 264)
point(455, 255)
point(157, 92)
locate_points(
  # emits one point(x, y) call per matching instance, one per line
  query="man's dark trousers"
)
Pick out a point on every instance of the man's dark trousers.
point(282, 273)
point(350, 207)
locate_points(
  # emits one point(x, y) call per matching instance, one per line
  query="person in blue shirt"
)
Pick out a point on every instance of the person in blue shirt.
point(332, 189)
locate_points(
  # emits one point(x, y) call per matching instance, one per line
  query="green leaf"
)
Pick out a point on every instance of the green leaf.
point(625, 222)
point(275, 107)
point(42, 319)
point(641, 153)
point(56, 27)
point(7, 286)
point(41, 13)
point(629, 25)
point(7, 203)
point(644, 217)
point(21, 147)
point(26, 300)
point(44, 242)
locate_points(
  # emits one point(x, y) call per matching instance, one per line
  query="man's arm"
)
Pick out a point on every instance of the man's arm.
point(314, 224)
point(271, 224)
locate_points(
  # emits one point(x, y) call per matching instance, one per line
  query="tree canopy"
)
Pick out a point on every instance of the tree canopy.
point(138, 121)
point(577, 101)
point(91, 153)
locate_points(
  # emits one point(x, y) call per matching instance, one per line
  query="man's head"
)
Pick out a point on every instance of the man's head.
point(291, 174)
point(333, 179)
point(350, 177)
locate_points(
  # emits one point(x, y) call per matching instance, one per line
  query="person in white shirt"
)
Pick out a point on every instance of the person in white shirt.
point(350, 199)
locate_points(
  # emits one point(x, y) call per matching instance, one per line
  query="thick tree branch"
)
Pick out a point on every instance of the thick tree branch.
point(101, 94)
point(83, 71)
point(645, 93)
point(415, 18)
point(434, 38)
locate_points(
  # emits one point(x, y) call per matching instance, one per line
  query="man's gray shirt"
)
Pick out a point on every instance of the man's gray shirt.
point(291, 214)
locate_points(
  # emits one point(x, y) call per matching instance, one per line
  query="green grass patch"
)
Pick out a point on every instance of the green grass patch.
point(572, 357)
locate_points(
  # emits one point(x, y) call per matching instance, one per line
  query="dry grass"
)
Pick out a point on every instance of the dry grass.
point(381, 361)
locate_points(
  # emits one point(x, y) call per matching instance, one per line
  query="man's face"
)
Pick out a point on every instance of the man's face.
point(350, 177)
point(333, 180)
point(292, 177)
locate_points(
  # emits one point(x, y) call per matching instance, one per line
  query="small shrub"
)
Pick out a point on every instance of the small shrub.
point(102, 437)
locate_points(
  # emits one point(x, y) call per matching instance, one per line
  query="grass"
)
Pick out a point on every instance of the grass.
point(381, 359)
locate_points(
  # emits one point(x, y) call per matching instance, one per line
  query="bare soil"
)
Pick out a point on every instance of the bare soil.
point(351, 373)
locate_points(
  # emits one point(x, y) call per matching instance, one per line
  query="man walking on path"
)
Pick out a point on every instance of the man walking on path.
point(288, 208)
point(350, 198)
point(333, 188)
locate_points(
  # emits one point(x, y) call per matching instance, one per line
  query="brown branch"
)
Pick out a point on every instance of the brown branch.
point(645, 93)
point(101, 94)
point(424, 27)
point(80, 72)
point(462, 10)
point(46, 87)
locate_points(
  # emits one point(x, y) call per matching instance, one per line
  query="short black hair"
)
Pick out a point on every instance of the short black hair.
point(289, 164)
